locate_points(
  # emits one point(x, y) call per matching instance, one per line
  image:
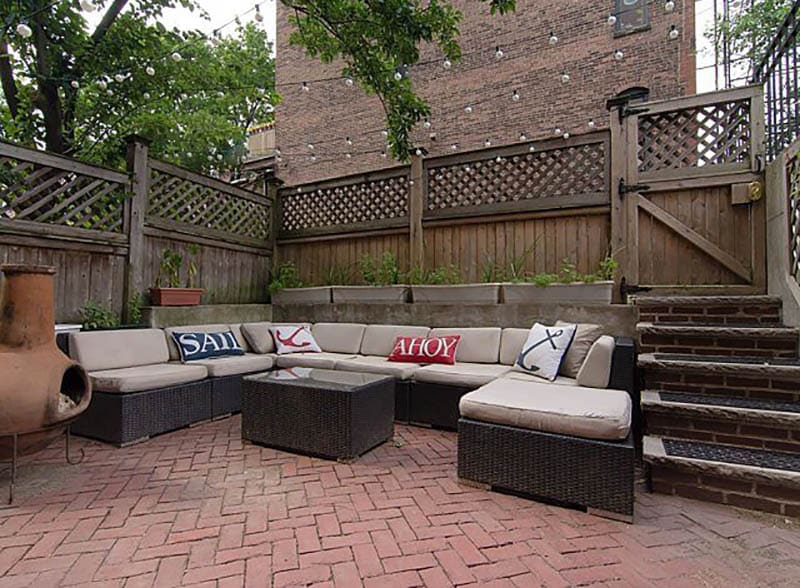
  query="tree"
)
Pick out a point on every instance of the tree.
point(747, 30)
point(378, 40)
point(79, 91)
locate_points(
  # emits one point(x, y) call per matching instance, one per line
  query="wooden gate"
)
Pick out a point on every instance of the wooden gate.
point(687, 208)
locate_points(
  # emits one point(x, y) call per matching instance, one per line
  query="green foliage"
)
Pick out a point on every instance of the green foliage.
point(384, 272)
point(169, 271)
point(195, 112)
point(135, 304)
point(375, 41)
point(97, 316)
point(569, 273)
point(285, 276)
point(191, 269)
point(608, 266)
point(446, 274)
point(749, 29)
point(544, 279)
point(339, 275)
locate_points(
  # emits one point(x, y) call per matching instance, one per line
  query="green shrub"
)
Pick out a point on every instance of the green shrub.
point(608, 266)
point(446, 274)
point(97, 316)
point(543, 279)
point(383, 272)
point(285, 276)
point(339, 275)
point(135, 309)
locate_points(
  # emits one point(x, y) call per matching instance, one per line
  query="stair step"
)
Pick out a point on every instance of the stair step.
point(760, 341)
point(757, 479)
point(732, 377)
point(743, 422)
point(726, 310)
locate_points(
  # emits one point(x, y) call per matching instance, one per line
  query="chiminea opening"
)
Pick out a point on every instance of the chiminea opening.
point(73, 388)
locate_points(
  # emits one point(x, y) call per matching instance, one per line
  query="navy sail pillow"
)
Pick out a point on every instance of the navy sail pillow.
point(204, 345)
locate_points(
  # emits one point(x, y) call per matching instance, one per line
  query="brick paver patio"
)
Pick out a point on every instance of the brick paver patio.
point(197, 508)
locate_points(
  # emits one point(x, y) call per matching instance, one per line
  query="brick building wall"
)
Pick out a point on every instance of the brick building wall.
point(330, 111)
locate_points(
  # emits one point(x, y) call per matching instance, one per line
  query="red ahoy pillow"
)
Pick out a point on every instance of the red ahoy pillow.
point(425, 349)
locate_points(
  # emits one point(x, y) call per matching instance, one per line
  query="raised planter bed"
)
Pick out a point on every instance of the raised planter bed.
point(594, 293)
point(175, 296)
point(370, 294)
point(315, 295)
point(456, 294)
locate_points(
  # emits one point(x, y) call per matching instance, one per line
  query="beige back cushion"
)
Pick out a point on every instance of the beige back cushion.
point(478, 344)
point(108, 350)
point(175, 355)
point(596, 369)
point(585, 336)
point(511, 345)
point(379, 339)
point(338, 337)
point(258, 337)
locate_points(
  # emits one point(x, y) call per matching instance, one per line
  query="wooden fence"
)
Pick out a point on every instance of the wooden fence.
point(536, 204)
point(105, 230)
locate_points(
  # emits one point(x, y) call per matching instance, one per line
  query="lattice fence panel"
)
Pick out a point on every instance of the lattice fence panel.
point(44, 194)
point(184, 201)
point(712, 134)
point(793, 176)
point(558, 172)
point(374, 200)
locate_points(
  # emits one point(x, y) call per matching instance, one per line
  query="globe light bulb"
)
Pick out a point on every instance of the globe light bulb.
point(515, 96)
point(669, 6)
point(592, 124)
point(146, 95)
point(383, 154)
point(398, 76)
point(305, 87)
point(119, 78)
point(454, 146)
point(612, 20)
point(427, 124)
point(24, 30)
point(468, 109)
point(498, 53)
point(531, 149)
point(553, 39)
point(564, 78)
point(348, 81)
point(311, 146)
point(673, 33)
point(619, 55)
point(418, 151)
point(75, 84)
point(566, 135)
point(102, 84)
point(110, 92)
point(385, 133)
point(348, 155)
point(447, 64)
point(558, 131)
point(348, 140)
point(487, 143)
point(176, 57)
point(258, 16)
point(523, 137)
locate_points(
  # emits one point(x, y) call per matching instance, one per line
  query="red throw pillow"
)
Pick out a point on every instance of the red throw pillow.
point(425, 349)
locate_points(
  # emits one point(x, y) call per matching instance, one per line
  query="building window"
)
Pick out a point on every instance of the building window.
point(632, 16)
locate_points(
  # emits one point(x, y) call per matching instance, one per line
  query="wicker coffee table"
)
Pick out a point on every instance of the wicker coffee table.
point(326, 413)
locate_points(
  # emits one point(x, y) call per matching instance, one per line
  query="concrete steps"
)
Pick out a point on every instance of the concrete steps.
point(721, 400)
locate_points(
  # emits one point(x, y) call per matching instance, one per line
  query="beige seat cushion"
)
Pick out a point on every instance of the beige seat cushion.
point(236, 364)
point(596, 369)
point(175, 355)
point(379, 365)
point(146, 377)
point(323, 360)
point(379, 339)
point(108, 350)
point(477, 345)
point(585, 336)
point(258, 337)
point(338, 337)
point(525, 377)
point(468, 375)
point(576, 411)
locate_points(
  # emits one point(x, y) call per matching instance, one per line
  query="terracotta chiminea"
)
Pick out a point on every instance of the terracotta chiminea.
point(41, 389)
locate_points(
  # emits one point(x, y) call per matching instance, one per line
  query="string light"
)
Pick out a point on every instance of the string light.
point(557, 131)
point(348, 81)
point(348, 155)
point(348, 140)
point(592, 124)
point(566, 135)
point(487, 143)
point(612, 20)
point(515, 96)
point(669, 6)
point(385, 133)
point(305, 87)
point(447, 64)
point(119, 77)
point(523, 137)
point(75, 84)
point(24, 31)
point(398, 76)
point(454, 147)
point(176, 57)
point(673, 33)
point(498, 53)
point(619, 55)
point(427, 124)
point(468, 109)
point(258, 17)
point(311, 147)
point(146, 95)
point(102, 84)
point(150, 70)
point(553, 39)
point(531, 149)
point(383, 154)
point(565, 78)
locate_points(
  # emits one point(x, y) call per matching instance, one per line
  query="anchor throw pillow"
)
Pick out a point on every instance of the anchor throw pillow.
point(293, 339)
point(544, 350)
point(425, 349)
point(204, 345)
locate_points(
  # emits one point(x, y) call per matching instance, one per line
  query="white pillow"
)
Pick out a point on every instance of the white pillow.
point(544, 350)
point(293, 339)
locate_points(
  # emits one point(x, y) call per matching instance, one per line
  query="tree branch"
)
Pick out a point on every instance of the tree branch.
point(7, 81)
point(108, 19)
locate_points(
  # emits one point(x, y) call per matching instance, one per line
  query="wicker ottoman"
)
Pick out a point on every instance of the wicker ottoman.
point(326, 413)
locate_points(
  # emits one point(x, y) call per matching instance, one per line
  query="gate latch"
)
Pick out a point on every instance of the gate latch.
point(625, 188)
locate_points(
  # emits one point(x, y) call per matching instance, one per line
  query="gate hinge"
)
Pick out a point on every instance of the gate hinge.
point(630, 111)
point(625, 289)
point(625, 188)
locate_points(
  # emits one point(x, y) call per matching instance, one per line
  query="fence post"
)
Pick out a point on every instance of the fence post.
point(137, 164)
point(416, 206)
point(272, 194)
point(618, 170)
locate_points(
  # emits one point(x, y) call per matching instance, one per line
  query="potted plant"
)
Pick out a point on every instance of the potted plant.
point(382, 283)
point(169, 273)
point(286, 287)
point(568, 286)
point(442, 285)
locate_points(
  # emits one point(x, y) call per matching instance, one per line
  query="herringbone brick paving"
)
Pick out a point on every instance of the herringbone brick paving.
point(197, 508)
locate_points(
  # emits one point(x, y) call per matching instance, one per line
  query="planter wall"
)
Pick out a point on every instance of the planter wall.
point(316, 295)
point(594, 293)
point(456, 294)
point(370, 294)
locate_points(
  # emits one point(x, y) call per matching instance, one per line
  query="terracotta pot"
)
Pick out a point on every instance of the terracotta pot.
point(175, 296)
point(41, 389)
